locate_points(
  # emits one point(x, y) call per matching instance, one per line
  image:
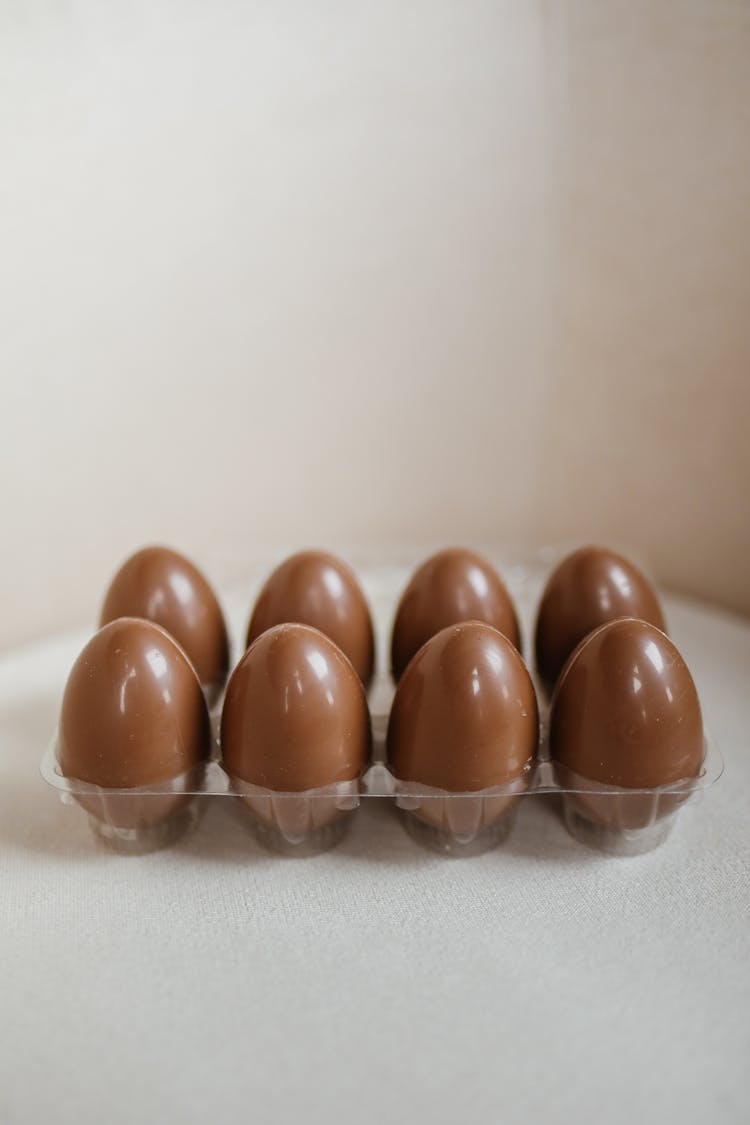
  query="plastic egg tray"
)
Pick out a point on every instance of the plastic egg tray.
point(304, 823)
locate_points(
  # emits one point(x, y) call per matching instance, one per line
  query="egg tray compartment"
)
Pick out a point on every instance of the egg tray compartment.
point(611, 819)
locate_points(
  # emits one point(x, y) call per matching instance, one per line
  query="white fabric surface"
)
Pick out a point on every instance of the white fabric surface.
point(215, 982)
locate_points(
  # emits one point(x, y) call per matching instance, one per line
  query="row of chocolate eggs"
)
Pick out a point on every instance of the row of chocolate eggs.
point(295, 716)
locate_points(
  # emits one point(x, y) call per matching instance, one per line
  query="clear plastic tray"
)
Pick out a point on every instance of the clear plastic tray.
point(615, 820)
point(620, 821)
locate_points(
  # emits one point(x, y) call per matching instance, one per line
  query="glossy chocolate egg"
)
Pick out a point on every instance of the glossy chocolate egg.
point(589, 588)
point(625, 713)
point(452, 586)
point(464, 717)
point(317, 589)
point(133, 716)
point(163, 586)
point(295, 715)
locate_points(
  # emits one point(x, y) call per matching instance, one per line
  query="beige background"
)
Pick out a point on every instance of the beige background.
point(367, 275)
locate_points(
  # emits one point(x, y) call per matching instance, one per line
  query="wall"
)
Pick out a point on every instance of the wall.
point(365, 275)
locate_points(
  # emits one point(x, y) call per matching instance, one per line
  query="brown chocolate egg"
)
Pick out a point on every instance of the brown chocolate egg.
point(317, 589)
point(625, 713)
point(134, 717)
point(452, 586)
point(590, 587)
point(295, 714)
point(162, 586)
point(464, 719)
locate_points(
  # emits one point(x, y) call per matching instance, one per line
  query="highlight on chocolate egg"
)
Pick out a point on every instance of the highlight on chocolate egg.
point(317, 589)
point(590, 587)
point(625, 731)
point(295, 736)
point(162, 586)
point(462, 737)
point(451, 586)
point(134, 732)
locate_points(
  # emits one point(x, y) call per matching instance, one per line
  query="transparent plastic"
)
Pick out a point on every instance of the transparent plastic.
point(147, 838)
point(613, 820)
point(299, 823)
point(617, 821)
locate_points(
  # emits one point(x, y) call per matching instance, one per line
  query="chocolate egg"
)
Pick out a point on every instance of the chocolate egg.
point(452, 586)
point(625, 713)
point(588, 588)
point(317, 589)
point(295, 719)
point(162, 586)
point(133, 717)
point(464, 719)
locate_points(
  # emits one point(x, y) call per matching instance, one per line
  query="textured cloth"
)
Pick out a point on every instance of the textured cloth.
point(215, 982)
